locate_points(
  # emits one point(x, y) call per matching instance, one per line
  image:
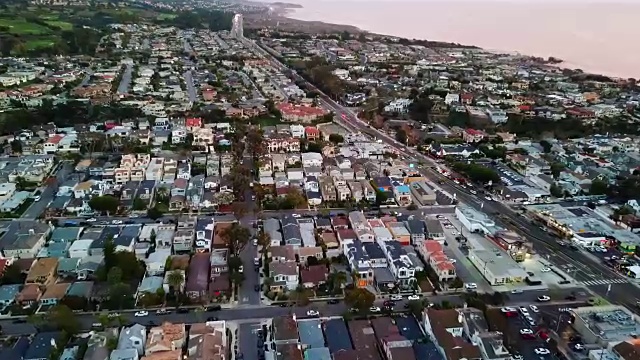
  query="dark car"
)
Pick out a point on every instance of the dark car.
point(333, 301)
point(257, 288)
point(20, 321)
point(214, 308)
point(570, 297)
point(212, 318)
point(182, 311)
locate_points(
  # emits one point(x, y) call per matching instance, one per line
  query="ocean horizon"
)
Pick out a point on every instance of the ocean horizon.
point(594, 36)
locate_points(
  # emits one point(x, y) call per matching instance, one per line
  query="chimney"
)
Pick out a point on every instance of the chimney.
point(32, 232)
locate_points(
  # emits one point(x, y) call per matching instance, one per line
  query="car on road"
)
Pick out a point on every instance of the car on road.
point(92, 220)
point(413, 297)
point(116, 222)
point(295, 215)
point(113, 315)
point(545, 269)
point(97, 326)
point(333, 301)
point(473, 192)
point(182, 311)
point(543, 298)
point(141, 313)
point(542, 351)
point(534, 308)
point(577, 347)
point(527, 334)
point(255, 242)
point(313, 313)
point(162, 312)
point(517, 291)
point(212, 318)
point(455, 233)
point(470, 286)
point(396, 297)
point(517, 357)
point(488, 198)
point(374, 309)
point(524, 311)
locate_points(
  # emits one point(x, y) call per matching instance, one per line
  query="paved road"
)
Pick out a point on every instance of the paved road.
point(255, 313)
point(586, 269)
point(123, 87)
point(191, 89)
point(48, 192)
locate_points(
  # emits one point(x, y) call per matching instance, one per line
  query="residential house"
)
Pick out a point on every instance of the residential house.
point(284, 275)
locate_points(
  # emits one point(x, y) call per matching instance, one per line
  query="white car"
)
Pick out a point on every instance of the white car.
point(312, 313)
point(543, 298)
point(489, 198)
point(534, 308)
point(255, 242)
point(116, 222)
point(470, 286)
point(526, 332)
point(374, 309)
point(113, 315)
point(517, 291)
point(524, 310)
point(545, 269)
point(92, 220)
point(395, 297)
point(37, 198)
point(295, 215)
point(542, 351)
point(455, 233)
point(413, 297)
point(141, 313)
point(473, 192)
point(453, 261)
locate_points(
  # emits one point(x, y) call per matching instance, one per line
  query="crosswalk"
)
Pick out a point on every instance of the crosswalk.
point(604, 282)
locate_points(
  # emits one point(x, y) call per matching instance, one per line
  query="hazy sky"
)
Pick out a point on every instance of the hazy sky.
point(595, 36)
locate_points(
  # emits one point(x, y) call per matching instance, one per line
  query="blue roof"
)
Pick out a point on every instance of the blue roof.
point(8, 292)
point(311, 333)
point(65, 234)
point(321, 353)
point(151, 284)
point(41, 345)
point(409, 328)
point(337, 335)
point(402, 188)
point(17, 351)
point(426, 351)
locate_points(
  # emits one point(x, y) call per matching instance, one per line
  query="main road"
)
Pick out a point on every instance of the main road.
point(585, 270)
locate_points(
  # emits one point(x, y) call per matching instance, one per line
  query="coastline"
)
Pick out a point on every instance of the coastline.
point(581, 48)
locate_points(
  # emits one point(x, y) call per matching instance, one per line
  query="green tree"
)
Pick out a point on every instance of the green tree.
point(598, 187)
point(336, 138)
point(63, 319)
point(546, 146)
point(556, 169)
point(175, 279)
point(401, 136)
point(556, 191)
point(139, 204)
point(154, 213)
point(16, 146)
point(457, 283)
point(114, 276)
point(12, 275)
point(359, 298)
point(236, 237)
point(105, 203)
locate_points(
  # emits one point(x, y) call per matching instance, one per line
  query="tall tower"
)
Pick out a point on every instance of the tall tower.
point(237, 27)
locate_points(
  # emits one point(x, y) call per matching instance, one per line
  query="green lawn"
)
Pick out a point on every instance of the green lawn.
point(266, 121)
point(166, 16)
point(39, 43)
point(61, 24)
point(22, 27)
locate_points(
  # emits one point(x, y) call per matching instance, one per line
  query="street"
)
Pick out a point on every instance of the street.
point(257, 312)
point(123, 87)
point(48, 192)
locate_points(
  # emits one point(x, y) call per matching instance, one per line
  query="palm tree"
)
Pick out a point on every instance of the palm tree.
point(104, 319)
point(339, 279)
point(175, 279)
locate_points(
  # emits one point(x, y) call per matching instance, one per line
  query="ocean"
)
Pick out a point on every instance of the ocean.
point(596, 37)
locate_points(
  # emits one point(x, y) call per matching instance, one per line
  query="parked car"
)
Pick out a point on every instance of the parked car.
point(313, 313)
point(470, 286)
point(374, 309)
point(396, 297)
point(162, 312)
point(542, 351)
point(141, 313)
point(413, 297)
point(527, 334)
point(543, 298)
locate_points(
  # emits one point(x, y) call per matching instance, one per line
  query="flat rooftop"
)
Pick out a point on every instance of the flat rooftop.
point(609, 323)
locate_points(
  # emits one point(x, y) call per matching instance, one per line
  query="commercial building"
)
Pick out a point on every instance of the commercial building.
point(496, 267)
point(603, 325)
